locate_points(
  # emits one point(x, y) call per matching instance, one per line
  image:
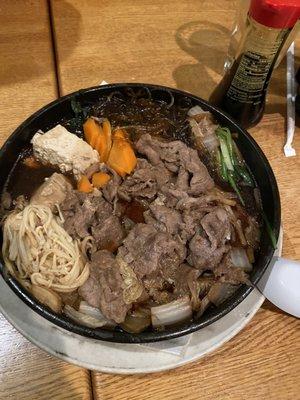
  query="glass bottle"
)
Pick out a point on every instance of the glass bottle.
point(242, 91)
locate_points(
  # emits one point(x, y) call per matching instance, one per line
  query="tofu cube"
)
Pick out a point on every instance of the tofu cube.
point(63, 149)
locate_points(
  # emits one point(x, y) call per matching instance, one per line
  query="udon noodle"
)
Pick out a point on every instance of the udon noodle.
point(36, 247)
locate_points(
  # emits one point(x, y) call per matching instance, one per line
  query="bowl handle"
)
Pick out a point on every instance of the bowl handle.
point(280, 284)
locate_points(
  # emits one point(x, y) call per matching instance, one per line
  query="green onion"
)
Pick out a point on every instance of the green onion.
point(244, 174)
point(225, 154)
point(269, 230)
point(229, 143)
point(234, 187)
point(224, 172)
point(232, 156)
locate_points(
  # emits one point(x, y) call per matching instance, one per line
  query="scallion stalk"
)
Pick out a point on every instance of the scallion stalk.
point(225, 154)
point(224, 172)
point(235, 188)
point(244, 174)
point(269, 230)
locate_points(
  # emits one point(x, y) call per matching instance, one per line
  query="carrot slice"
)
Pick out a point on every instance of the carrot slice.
point(121, 157)
point(107, 134)
point(84, 185)
point(100, 179)
point(98, 137)
point(120, 134)
point(91, 131)
point(100, 144)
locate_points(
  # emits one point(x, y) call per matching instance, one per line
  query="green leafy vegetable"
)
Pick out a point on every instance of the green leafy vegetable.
point(231, 164)
point(235, 187)
point(269, 230)
point(223, 167)
point(225, 154)
point(76, 107)
point(244, 174)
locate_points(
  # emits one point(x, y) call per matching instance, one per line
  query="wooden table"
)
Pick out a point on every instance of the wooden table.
point(27, 82)
point(180, 44)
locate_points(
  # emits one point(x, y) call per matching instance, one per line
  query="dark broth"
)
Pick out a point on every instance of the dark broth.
point(25, 180)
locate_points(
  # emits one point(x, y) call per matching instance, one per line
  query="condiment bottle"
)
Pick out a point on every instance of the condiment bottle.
point(298, 92)
point(242, 91)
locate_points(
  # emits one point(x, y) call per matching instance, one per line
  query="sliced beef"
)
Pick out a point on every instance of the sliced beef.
point(226, 272)
point(202, 255)
point(146, 147)
point(147, 250)
point(181, 278)
point(78, 211)
point(200, 181)
point(109, 234)
point(87, 214)
point(217, 227)
point(252, 233)
point(163, 218)
point(144, 182)
point(190, 223)
point(172, 282)
point(173, 195)
point(103, 212)
point(177, 157)
point(104, 287)
point(110, 190)
point(158, 289)
point(182, 182)
point(159, 152)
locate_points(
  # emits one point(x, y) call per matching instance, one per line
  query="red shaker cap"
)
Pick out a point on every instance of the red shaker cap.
point(277, 14)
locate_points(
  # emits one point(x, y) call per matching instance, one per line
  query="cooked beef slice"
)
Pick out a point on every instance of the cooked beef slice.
point(163, 218)
point(191, 223)
point(169, 283)
point(182, 182)
point(147, 250)
point(87, 214)
point(109, 234)
point(110, 190)
point(181, 278)
point(158, 289)
point(159, 152)
point(173, 195)
point(145, 181)
point(202, 255)
point(252, 232)
point(104, 287)
point(78, 211)
point(227, 272)
point(200, 181)
point(177, 158)
point(217, 227)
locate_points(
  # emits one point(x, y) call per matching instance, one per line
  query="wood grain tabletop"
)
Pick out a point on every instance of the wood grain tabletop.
point(183, 44)
point(27, 82)
point(180, 44)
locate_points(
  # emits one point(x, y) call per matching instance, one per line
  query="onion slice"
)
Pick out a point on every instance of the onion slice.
point(85, 308)
point(196, 110)
point(171, 313)
point(47, 297)
point(220, 291)
point(84, 319)
point(239, 259)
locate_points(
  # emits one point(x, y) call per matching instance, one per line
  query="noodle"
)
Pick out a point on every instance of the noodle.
point(36, 247)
